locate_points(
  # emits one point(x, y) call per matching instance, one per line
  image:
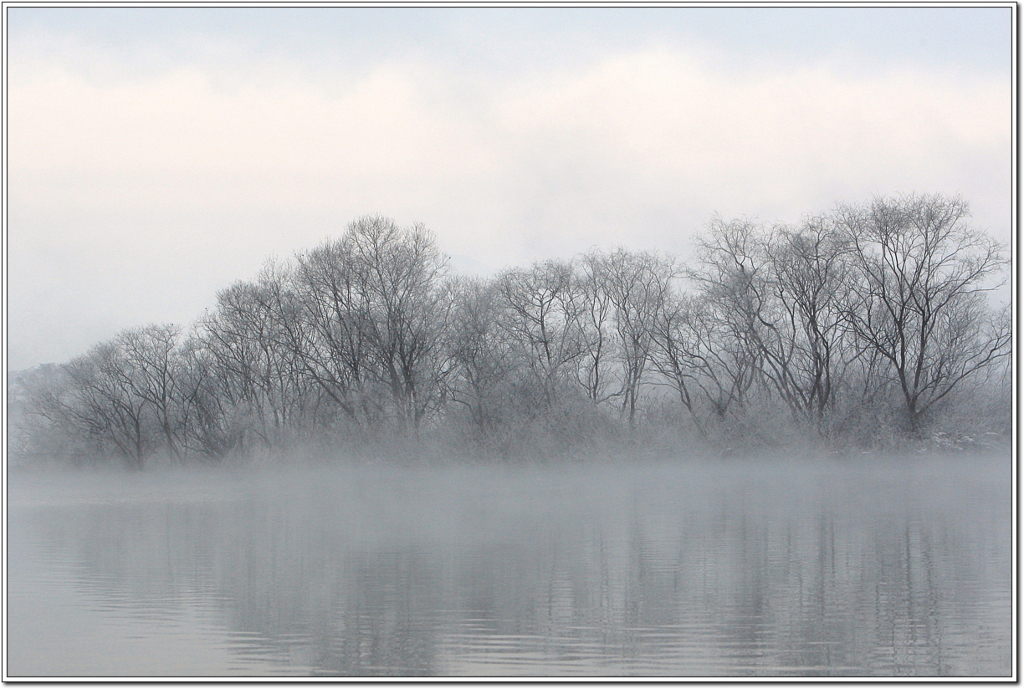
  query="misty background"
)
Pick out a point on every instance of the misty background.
point(509, 341)
point(156, 155)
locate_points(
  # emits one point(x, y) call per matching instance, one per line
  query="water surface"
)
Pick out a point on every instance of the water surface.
point(681, 569)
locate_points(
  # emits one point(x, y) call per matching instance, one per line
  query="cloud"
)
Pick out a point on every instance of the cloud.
point(136, 198)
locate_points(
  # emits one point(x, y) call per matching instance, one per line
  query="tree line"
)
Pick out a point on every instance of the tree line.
point(867, 316)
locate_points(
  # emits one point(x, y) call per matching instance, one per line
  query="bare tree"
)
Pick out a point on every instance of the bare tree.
point(595, 323)
point(484, 357)
point(41, 423)
point(638, 285)
point(709, 368)
point(783, 295)
point(105, 403)
point(209, 415)
point(733, 279)
point(152, 356)
point(401, 273)
point(540, 315)
point(331, 334)
point(374, 307)
point(922, 274)
point(368, 332)
point(252, 358)
point(804, 344)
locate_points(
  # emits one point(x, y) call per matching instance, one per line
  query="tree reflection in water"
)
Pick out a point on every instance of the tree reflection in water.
point(746, 568)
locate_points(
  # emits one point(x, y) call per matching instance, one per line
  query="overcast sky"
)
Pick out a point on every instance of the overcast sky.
point(157, 155)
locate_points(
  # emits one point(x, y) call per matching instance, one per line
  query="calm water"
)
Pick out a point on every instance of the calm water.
point(741, 568)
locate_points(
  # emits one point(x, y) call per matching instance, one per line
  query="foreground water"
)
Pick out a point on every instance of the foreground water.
point(742, 568)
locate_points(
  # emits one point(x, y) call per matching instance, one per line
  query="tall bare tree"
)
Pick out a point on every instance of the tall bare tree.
point(922, 278)
point(638, 285)
point(248, 337)
point(596, 326)
point(484, 357)
point(733, 280)
point(402, 276)
point(106, 405)
point(709, 368)
point(151, 355)
point(331, 334)
point(374, 307)
point(210, 422)
point(541, 315)
point(805, 342)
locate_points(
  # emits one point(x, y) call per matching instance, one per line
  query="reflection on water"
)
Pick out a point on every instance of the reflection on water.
point(736, 569)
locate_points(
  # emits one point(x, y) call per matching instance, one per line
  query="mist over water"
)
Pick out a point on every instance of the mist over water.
point(742, 567)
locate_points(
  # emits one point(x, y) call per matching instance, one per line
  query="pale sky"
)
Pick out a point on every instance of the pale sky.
point(155, 156)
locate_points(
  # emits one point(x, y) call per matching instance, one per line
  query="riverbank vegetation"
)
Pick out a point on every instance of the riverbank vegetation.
point(866, 327)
